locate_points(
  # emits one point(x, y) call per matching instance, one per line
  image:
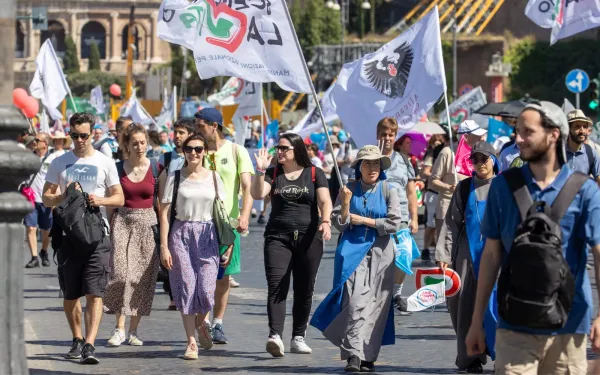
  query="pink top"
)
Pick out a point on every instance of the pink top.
point(140, 194)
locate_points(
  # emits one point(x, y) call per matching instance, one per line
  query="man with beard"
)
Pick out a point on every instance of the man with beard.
point(581, 156)
point(542, 130)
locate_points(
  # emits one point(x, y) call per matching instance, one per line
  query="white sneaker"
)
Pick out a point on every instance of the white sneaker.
point(233, 283)
point(205, 335)
point(134, 340)
point(298, 345)
point(275, 346)
point(117, 337)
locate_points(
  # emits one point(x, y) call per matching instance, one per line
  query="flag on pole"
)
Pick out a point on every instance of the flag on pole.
point(311, 123)
point(252, 40)
point(165, 118)
point(134, 109)
point(44, 127)
point(229, 94)
point(97, 100)
point(49, 83)
point(403, 80)
point(250, 100)
point(565, 18)
point(427, 296)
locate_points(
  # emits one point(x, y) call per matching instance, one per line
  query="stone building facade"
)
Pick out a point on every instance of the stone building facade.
point(104, 22)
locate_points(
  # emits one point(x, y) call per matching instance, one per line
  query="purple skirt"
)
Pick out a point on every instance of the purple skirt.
point(195, 251)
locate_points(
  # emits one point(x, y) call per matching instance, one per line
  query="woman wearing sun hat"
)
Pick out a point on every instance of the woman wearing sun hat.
point(61, 142)
point(355, 316)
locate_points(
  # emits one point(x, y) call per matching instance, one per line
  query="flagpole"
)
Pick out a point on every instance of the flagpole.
point(261, 104)
point(450, 133)
point(312, 88)
point(174, 105)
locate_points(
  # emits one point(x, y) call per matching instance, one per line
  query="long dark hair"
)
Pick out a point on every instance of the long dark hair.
point(300, 153)
point(193, 137)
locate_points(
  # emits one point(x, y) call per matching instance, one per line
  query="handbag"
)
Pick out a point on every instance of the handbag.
point(220, 218)
point(25, 187)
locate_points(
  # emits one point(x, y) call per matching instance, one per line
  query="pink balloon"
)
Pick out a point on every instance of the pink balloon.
point(19, 97)
point(115, 90)
point(31, 107)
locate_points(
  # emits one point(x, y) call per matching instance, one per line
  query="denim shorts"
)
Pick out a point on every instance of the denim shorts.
point(40, 217)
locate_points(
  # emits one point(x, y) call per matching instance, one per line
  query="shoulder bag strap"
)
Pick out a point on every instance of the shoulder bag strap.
point(590, 156)
point(273, 179)
point(566, 195)
point(155, 175)
point(174, 199)
point(236, 157)
point(120, 169)
point(518, 186)
point(36, 173)
point(464, 189)
point(313, 171)
point(214, 174)
point(167, 160)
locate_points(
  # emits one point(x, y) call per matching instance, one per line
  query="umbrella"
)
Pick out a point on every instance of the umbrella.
point(426, 128)
point(507, 109)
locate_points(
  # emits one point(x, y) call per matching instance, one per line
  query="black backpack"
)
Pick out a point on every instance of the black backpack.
point(536, 286)
point(82, 224)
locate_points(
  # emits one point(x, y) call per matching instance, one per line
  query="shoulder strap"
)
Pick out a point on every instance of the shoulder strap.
point(155, 175)
point(566, 195)
point(385, 189)
point(273, 179)
point(406, 161)
point(36, 173)
point(590, 156)
point(464, 189)
point(167, 159)
point(214, 174)
point(174, 199)
point(518, 186)
point(507, 145)
point(235, 158)
point(312, 173)
point(120, 169)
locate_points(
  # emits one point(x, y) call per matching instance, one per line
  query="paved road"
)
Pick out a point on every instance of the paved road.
point(425, 341)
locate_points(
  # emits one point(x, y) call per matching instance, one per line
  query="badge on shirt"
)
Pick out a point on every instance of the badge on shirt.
point(223, 161)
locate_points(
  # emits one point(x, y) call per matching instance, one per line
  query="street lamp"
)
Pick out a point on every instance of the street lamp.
point(336, 6)
point(330, 4)
point(366, 5)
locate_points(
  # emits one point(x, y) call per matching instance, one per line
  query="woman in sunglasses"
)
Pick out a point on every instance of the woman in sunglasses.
point(294, 235)
point(460, 246)
point(189, 246)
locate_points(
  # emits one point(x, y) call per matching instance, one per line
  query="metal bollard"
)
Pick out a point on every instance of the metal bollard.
point(16, 165)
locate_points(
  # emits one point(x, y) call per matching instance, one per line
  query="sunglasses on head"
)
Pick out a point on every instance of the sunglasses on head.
point(189, 149)
point(479, 159)
point(284, 148)
point(76, 136)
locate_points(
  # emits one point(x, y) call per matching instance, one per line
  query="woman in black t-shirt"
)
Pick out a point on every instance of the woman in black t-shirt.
point(293, 236)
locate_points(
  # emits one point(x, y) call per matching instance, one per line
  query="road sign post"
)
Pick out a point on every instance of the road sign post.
point(577, 81)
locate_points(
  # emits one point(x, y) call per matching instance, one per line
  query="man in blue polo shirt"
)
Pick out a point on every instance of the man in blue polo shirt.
point(581, 156)
point(542, 130)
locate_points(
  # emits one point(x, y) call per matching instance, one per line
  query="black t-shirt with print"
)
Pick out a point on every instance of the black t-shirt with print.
point(294, 203)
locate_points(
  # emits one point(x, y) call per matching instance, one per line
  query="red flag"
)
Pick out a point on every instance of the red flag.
point(463, 161)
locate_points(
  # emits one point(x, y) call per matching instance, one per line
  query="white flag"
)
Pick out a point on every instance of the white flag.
point(229, 94)
point(250, 39)
point(49, 83)
point(134, 109)
point(567, 106)
point(462, 108)
point(427, 296)
point(250, 100)
point(165, 118)
point(311, 122)
point(541, 12)
point(403, 79)
point(44, 126)
point(97, 100)
point(573, 17)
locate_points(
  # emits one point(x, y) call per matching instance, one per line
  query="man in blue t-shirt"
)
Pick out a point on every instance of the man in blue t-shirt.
point(581, 156)
point(542, 131)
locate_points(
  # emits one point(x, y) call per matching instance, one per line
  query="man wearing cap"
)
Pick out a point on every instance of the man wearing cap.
point(542, 132)
point(443, 173)
point(233, 164)
point(581, 156)
point(41, 216)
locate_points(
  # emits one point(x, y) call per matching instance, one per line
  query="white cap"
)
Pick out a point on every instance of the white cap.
point(471, 127)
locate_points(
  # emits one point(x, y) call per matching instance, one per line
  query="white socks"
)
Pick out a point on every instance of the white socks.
point(216, 321)
point(397, 290)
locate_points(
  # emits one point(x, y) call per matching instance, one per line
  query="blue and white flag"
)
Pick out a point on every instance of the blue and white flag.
point(97, 100)
point(403, 80)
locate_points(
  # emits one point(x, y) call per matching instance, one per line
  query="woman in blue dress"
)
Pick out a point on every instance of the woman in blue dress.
point(460, 246)
point(357, 315)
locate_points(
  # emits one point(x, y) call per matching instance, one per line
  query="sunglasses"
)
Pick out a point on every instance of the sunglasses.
point(189, 149)
point(284, 148)
point(479, 159)
point(83, 136)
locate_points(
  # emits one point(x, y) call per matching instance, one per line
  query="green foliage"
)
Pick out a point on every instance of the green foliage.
point(332, 27)
point(71, 61)
point(539, 69)
point(82, 83)
point(94, 59)
point(315, 24)
point(195, 85)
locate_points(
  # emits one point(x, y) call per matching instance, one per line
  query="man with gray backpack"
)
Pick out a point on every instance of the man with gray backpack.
point(538, 223)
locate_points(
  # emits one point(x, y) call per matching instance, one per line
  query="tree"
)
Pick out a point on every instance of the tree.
point(82, 83)
point(195, 85)
point(296, 13)
point(331, 33)
point(71, 61)
point(311, 26)
point(94, 59)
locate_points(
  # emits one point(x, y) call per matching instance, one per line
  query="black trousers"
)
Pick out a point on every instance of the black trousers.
point(286, 254)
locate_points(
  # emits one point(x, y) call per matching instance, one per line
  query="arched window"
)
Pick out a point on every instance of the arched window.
point(56, 34)
point(20, 45)
point(93, 32)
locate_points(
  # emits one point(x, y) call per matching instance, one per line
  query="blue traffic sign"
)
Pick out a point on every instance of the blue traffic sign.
point(577, 81)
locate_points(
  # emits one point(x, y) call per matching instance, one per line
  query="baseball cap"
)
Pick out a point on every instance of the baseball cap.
point(577, 115)
point(482, 147)
point(470, 127)
point(211, 115)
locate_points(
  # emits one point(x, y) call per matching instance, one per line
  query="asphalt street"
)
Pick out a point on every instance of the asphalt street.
point(425, 341)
